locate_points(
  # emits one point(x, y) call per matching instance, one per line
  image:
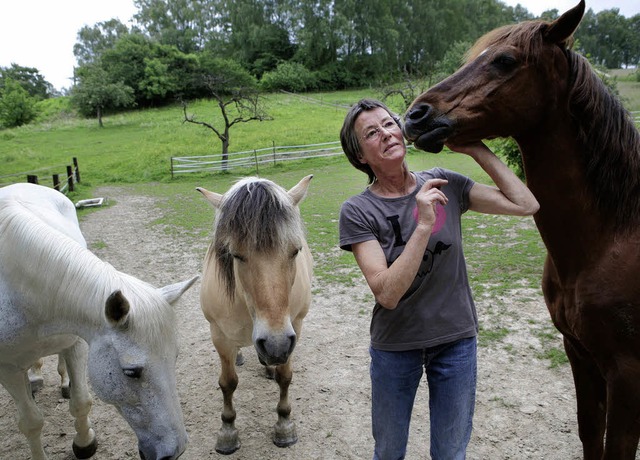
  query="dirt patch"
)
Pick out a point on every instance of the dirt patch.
point(524, 409)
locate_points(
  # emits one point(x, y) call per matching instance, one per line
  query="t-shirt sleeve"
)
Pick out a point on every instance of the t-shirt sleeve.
point(354, 227)
point(462, 184)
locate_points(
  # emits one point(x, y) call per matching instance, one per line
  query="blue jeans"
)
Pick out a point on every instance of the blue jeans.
point(451, 375)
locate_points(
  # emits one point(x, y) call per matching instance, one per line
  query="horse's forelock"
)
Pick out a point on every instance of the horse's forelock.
point(526, 36)
point(255, 215)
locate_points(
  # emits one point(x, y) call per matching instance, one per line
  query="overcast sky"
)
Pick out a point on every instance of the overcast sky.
point(41, 33)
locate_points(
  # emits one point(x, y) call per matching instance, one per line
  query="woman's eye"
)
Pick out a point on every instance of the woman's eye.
point(388, 124)
point(133, 372)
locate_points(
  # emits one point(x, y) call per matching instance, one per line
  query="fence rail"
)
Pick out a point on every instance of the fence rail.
point(64, 184)
point(252, 158)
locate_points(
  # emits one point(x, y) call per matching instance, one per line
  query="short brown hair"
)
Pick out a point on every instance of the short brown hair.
point(349, 138)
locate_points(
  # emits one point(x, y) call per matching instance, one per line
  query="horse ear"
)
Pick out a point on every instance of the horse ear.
point(560, 30)
point(299, 191)
point(116, 308)
point(213, 197)
point(172, 292)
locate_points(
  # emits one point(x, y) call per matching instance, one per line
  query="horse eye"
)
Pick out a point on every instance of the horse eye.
point(133, 372)
point(504, 62)
point(239, 258)
point(295, 253)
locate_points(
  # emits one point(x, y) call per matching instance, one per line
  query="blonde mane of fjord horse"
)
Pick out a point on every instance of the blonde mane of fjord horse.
point(256, 289)
point(54, 289)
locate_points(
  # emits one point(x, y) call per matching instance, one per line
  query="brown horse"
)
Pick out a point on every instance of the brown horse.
point(581, 156)
point(256, 288)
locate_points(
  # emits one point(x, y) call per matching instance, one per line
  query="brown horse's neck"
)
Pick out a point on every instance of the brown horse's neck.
point(568, 220)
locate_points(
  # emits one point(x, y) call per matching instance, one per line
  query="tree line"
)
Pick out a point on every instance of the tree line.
point(178, 50)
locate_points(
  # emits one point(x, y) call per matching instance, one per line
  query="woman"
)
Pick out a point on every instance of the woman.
point(404, 230)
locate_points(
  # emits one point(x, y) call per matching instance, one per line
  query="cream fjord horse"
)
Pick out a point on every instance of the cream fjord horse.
point(57, 297)
point(256, 289)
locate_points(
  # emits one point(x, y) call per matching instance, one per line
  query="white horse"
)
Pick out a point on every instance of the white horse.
point(57, 297)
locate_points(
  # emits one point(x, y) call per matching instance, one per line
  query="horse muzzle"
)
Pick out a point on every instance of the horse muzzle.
point(426, 128)
point(275, 349)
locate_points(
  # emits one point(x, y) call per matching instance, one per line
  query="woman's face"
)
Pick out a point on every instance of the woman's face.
point(380, 138)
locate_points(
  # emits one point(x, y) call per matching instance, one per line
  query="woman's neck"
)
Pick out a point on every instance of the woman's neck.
point(393, 185)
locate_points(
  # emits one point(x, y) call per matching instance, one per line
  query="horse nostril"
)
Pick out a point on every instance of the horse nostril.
point(142, 457)
point(419, 112)
point(260, 345)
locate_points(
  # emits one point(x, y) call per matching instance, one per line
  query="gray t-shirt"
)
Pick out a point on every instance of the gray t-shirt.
point(438, 307)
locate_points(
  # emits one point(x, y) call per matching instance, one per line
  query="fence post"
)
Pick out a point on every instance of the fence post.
point(274, 151)
point(32, 179)
point(255, 159)
point(56, 182)
point(70, 178)
point(77, 169)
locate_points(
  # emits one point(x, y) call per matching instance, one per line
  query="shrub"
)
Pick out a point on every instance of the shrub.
point(289, 76)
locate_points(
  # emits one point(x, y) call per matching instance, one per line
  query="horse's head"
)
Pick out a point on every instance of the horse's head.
point(131, 365)
point(513, 78)
point(260, 248)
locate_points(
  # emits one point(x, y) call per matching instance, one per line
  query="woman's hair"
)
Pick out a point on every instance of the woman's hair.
point(349, 138)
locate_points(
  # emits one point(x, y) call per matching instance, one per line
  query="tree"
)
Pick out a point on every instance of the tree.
point(237, 100)
point(29, 79)
point(95, 93)
point(95, 40)
point(17, 107)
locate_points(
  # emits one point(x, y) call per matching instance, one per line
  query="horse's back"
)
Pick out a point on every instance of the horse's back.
point(45, 204)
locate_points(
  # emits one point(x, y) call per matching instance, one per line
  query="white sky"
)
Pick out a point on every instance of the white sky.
point(41, 33)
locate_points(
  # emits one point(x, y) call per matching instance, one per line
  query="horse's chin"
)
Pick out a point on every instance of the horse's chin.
point(432, 141)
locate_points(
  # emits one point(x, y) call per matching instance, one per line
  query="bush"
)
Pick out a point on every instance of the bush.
point(17, 108)
point(289, 76)
point(508, 149)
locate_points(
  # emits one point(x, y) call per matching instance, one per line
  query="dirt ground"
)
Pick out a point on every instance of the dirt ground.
point(525, 410)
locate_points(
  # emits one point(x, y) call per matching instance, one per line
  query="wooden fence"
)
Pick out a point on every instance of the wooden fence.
point(62, 184)
point(252, 158)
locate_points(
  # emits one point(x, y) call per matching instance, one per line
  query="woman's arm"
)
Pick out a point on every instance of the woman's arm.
point(389, 284)
point(509, 196)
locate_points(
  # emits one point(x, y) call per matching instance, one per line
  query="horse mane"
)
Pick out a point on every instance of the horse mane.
point(72, 282)
point(610, 144)
point(609, 139)
point(256, 215)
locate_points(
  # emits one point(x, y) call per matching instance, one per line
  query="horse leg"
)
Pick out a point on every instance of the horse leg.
point(591, 400)
point(623, 415)
point(36, 380)
point(64, 377)
point(30, 419)
point(285, 430)
point(85, 443)
point(228, 441)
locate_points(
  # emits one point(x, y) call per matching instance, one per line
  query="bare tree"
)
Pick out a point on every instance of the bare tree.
point(237, 105)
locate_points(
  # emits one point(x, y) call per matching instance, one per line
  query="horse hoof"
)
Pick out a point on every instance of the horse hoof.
point(66, 392)
point(290, 441)
point(239, 359)
point(227, 448)
point(86, 451)
point(228, 441)
point(270, 372)
point(285, 434)
point(36, 385)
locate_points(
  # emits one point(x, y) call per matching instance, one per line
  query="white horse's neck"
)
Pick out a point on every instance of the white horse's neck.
point(59, 283)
